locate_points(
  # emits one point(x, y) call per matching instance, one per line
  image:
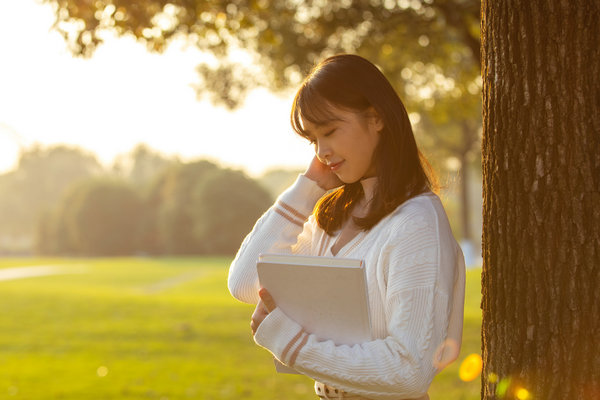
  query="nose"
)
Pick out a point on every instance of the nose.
point(323, 151)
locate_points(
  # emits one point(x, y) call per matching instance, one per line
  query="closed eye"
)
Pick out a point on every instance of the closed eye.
point(312, 140)
point(329, 133)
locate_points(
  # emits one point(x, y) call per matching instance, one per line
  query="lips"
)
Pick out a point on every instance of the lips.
point(335, 166)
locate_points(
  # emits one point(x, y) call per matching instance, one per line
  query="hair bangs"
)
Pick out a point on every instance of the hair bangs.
point(313, 107)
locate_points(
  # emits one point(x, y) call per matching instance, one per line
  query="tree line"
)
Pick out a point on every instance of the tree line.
point(61, 201)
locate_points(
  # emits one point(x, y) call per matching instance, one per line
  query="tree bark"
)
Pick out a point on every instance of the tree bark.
point(541, 188)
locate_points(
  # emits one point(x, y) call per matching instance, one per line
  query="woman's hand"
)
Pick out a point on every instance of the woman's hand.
point(265, 305)
point(322, 174)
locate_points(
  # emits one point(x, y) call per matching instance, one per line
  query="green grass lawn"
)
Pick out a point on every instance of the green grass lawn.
point(137, 328)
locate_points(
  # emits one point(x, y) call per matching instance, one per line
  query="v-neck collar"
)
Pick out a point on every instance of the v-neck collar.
point(346, 248)
point(368, 185)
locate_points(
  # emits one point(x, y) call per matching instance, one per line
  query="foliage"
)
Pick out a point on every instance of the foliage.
point(283, 38)
point(171, 207)
point(429, 49)
point(190, 208)
point(116, 330)
point(97, 217)
point(226, 206)
point(141, 165)
point(56, 201)
point(52, 236)
point(184, 208)
point(199, 208)
point(275, 181)
point(40, 179)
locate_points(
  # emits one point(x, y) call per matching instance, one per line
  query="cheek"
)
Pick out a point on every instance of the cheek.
point(370, 144)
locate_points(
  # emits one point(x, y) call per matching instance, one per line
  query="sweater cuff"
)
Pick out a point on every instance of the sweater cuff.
point(281, 336)
point(302, 195)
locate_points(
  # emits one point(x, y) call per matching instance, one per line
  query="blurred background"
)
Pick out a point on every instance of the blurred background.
point(139, 143)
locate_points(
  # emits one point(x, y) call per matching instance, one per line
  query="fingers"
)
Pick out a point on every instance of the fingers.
point(260, 312)
point(322, 174)
point(267, 299)
point(265, 305)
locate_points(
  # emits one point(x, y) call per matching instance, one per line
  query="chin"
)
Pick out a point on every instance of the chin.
point(348, 180)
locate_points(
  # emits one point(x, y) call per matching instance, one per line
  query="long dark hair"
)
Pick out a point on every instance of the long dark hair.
point(351, 82)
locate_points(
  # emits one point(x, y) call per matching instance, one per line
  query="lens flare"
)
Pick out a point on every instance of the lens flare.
point(502, 387)
point(470, 367)
point(102, 371)
point(522, 394)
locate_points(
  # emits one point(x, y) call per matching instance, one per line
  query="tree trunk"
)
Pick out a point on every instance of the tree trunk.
point(541, 189)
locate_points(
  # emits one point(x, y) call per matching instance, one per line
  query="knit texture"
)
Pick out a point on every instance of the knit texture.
point(416, 281)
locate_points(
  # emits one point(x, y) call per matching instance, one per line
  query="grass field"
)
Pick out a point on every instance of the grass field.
point(136, 328)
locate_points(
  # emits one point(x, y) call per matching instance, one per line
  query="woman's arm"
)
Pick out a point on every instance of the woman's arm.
point(281, 229)
point(417, 304)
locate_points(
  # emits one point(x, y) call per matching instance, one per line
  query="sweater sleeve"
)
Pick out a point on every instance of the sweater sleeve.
point(417, 307)
point(282, 229)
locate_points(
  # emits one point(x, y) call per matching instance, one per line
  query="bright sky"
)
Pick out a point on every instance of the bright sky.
point(123, 96)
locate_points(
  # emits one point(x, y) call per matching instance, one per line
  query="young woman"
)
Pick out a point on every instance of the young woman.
point(367, 194)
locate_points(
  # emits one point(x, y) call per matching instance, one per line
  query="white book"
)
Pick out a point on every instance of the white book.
point(327, 296)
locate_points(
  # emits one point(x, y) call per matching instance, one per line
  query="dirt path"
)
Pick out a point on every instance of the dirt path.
point(9, 274)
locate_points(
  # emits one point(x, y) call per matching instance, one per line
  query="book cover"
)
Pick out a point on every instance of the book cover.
point(327, 296)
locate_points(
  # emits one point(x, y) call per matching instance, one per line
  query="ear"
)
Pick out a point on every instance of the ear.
point(375, 120)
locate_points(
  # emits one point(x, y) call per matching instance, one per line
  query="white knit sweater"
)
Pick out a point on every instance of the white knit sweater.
point(415, 277)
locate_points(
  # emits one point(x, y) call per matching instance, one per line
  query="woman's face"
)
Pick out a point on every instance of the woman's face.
point(347, 143)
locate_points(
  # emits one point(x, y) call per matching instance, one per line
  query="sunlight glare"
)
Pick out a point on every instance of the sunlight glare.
point(470, 367)
point(414, 117)
point(502, 387)
point(10, 146)
point(522, 394)
point(132, 96)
